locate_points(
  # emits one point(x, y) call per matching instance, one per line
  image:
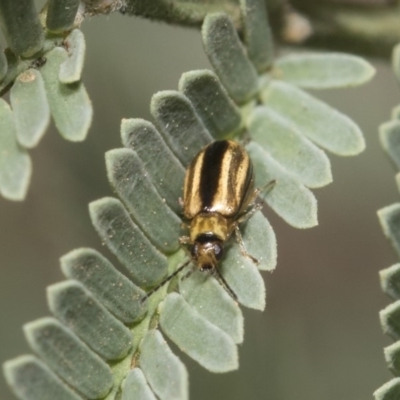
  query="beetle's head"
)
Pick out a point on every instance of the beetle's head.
point(207, 251)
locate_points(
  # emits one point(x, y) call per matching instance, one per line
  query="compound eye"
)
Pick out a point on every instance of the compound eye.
point(218, 251)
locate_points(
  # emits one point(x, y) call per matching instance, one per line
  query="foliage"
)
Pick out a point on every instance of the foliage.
point(389, 217)
point(103, 342)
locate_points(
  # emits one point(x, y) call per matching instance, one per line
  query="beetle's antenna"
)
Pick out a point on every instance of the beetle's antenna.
point(167, 279)
point(224, 283)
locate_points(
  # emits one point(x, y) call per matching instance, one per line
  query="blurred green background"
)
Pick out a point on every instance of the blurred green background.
point(319, 338)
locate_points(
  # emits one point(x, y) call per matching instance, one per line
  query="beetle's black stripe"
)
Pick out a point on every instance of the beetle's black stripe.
point(210, 172)
point(207, 237)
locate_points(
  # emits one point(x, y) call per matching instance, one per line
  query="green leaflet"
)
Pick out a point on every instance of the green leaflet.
point(179, 125)
point(390, 281)
point(115, 291)
point(203, 293)
point(218, 112)
point(77, 309)
point(69, 358)
point(228, 57)
point(244, 278)
point(3, 64)
point(144, 263)
point(15, 164)
point(30, 106)
point(325, 126)
point(136, 387)
point(323, 70)
point(389, 391)
point(128, 176)
point(21, 27)
point(159, 162)
point(390, 320)
point(61, 15)
point(71, 68)
point(389, 135)
point(396, 61)
point(280, 138)
point(31, 379)
point(69, 104)
point(257, 34)
point(204, 342)
point(164, 371)
point(389, 217)
point(392, 357)
point(260, 241)
point(288, 198)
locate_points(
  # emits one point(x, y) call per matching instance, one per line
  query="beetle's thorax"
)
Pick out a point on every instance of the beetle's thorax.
point(209, 224)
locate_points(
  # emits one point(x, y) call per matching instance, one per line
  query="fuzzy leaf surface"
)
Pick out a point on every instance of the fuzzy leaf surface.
point(228, 57)
point(244, 278)
point(389, 391)
point(218, 112)
point(392, 357)
point(288, 198)
point(300, 157)
point(323, 70)
point(30, 106)
point(389, 135)
point(389, 217)
point(164, 371)
point(128, 176)
point(31, 379)
point(158, 160)
point(260, 241)
point(179, 124)
point(15, 163)
point(136, 387)
point(71, 68)
point(69, 104)
point(21, 27)
point(390, 320)
point(204, 342)
point(257, 34)
point(77, 309)
point(212, 301)
point(315, 119)
point(396, 61)
point(144, 263)
point(115, 291)
point(3, 64)
point(69, 357)
point(390, 281)
point(61, 15)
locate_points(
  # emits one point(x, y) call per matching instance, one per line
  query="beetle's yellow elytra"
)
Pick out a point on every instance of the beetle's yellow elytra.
point(219, 179)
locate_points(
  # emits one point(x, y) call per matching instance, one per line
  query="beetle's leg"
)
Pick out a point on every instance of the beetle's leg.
point(185, 225)
point(253, 206)
point(180, 201)
point(265, 189)
point(249, 212)
point(239, 240)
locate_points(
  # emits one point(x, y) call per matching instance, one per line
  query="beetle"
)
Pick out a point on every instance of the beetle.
point(218, 195)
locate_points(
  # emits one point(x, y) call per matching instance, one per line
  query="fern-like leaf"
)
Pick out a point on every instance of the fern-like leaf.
point(283, 127)
point(389, 218)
